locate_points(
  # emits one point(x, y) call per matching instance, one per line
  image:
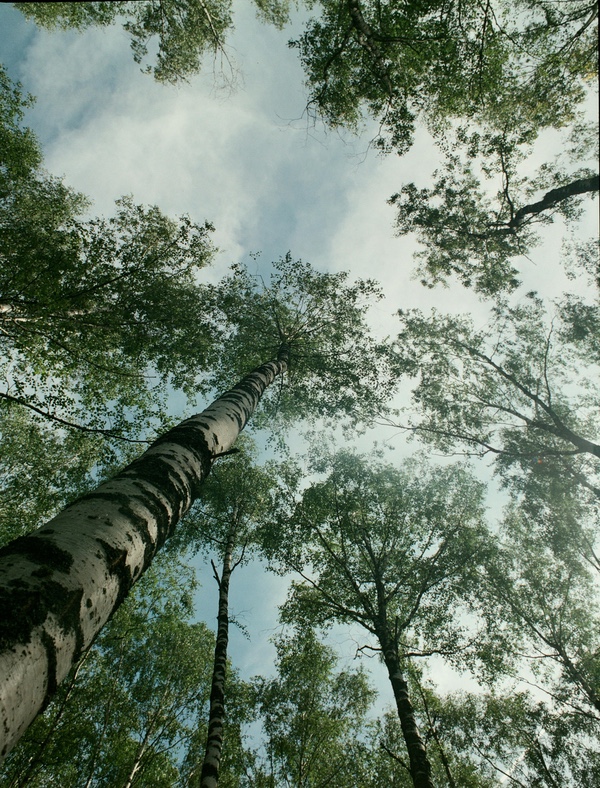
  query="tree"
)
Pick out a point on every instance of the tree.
point(324, 318)
point(521, 389)
point(523, 64)
point(312, 716)
point(64, 581)
point(128, 707)
point(476, 236)
point(185, 30)
point(234, 498)
point(93, 312)
point(393, 551)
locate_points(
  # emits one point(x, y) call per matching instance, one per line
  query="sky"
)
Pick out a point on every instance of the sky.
point(245, 158)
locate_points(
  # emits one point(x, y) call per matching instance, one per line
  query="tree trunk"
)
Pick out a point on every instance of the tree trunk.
point(60, 584)
point(420, 768)
point(209, 776)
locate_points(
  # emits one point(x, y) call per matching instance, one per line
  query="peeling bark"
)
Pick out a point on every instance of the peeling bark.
point(60, 584)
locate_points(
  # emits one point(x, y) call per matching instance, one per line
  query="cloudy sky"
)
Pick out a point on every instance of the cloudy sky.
point(246, 159)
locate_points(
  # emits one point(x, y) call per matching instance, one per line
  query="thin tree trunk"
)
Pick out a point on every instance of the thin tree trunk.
point(209, 776)
point(59, 585)
point(420, 768)
point(143, 745)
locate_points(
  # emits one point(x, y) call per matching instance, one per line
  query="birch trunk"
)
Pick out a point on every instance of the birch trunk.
point(209, 776)
point(60, 584)
point(420, 768)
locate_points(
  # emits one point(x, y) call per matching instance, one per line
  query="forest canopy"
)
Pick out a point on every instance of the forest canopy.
point(420, 617)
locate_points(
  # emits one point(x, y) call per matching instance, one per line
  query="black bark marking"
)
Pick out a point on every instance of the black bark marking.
point(117, 565)
point(39, 551)
point(50, 649)
point(34, 603)
point(43, 571)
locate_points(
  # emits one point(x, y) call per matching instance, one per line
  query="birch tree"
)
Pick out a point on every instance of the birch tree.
point(235, 497)
point(392, 551)
point(544, 576)
point(514, 739)
point(62, 582)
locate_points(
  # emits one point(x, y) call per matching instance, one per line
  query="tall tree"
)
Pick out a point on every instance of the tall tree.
point(64, 581)
point(393, 551)
point(544, 577)
point(235, 497)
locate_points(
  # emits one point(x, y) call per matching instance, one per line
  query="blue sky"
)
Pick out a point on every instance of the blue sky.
point(245, 159)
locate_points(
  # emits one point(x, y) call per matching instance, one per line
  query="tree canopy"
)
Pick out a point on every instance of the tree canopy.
point(93, 312)
point(337, 368)
point(391, 550)
point(477, 236)
point(103, 318)
point(436, 61)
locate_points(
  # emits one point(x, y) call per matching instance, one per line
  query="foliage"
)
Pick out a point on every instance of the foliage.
point(312, 716)
point(372, 540)
point(523, 64)
point(467, 232)
point(515, 740)
point(543, 577)
point(42, 469)
point(336, 370)
point(518, 389)
point(94, 315)
point(394, 551)
point(185, 30)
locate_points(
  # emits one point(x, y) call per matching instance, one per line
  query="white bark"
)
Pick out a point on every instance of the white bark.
point(59, 585)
